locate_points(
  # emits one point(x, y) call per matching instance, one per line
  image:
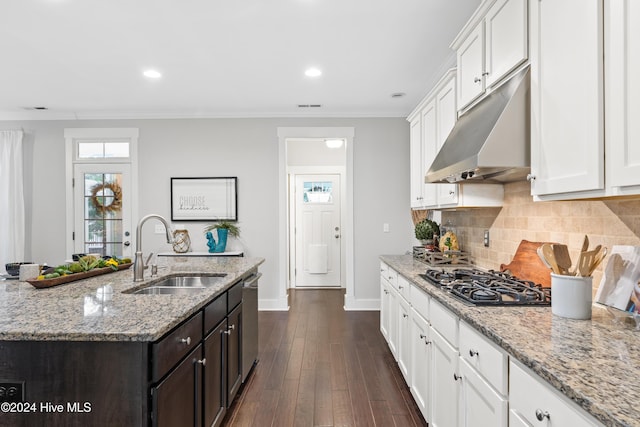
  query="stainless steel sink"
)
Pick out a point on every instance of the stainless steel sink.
point(180, 285)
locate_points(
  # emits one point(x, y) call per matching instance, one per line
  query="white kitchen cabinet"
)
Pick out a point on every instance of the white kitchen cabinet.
point(416, 164)
point(506, 35)
point(421, 349)
point(392, 332)
point(533, 401)
point(447, 114)
point(470, 58)
point(480, 404)
point(485, 357)
point(622, 95)
point(385, 298)
point(430, 148)
point(445, 390)
point(404, 339)
point(492, 44)
point(567, 127)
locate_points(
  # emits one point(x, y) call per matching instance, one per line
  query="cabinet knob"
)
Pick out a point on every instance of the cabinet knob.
point(427, 342)
point(451, 192)
point(400, 287)
point(229, 329)
point(486, 73)
point(422, 336)
point(186, 340)
point(405, 315)
point(531, 177)
point(457, 377)
point(390, 277)
point(541, 415)
point(477, 79)
point(203, 362)
point(386, 291)
point(473, 352)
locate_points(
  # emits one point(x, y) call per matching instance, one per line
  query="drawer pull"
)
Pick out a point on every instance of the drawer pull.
point(203, 362)
point(422, 336)
point(390, 277)
point(400, 287)
point(186, 340)
point(457, 377)
point(541, 415)
point(473, 353)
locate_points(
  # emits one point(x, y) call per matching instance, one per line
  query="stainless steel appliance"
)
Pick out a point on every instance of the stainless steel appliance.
point(249, 323)
point(479, 287)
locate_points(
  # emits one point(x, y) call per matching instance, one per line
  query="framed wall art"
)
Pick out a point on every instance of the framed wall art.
point(204, 199)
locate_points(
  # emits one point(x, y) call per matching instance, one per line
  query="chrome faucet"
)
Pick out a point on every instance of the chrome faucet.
point(138, 263)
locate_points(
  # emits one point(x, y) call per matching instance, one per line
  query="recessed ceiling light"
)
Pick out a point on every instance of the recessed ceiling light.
point(334, 143)
point(398, 95)
point(152, 74)
point(313, 72)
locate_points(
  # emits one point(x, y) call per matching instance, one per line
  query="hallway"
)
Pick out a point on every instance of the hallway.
point(322, 366)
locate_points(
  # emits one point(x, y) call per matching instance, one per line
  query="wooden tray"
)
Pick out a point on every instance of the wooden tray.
point(47, 283)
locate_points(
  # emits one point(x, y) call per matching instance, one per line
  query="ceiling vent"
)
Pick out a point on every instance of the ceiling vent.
point(309, 105)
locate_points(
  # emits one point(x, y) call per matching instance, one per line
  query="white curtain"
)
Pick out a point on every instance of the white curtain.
point(12, 223)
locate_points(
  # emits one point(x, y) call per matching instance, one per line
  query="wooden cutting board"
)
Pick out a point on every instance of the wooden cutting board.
point(527, 265)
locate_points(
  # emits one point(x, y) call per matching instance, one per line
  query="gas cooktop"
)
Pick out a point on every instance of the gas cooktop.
point(488, 288)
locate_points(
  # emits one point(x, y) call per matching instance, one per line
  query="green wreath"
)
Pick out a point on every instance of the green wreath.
point(98, 201)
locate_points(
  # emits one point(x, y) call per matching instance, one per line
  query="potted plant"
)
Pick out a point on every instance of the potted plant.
point(223, 229)
point(426, 230)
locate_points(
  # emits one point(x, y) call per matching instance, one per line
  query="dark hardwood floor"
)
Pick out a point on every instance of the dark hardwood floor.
point(321, 366)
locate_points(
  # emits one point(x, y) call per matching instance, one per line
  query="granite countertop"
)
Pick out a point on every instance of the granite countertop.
point(77, 311)
point(593, 362)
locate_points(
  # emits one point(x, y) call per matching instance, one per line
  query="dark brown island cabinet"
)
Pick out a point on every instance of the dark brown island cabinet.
point(189, 377)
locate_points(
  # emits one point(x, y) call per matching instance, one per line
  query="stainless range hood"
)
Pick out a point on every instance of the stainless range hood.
point(490, 142)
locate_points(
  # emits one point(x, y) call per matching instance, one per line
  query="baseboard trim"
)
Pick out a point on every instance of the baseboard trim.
point(352, 304)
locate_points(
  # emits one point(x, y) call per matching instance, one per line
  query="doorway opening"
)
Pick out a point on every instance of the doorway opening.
point(316, 210)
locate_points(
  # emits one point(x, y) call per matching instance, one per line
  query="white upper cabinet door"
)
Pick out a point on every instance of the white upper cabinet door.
point(470, 56)
point(415, 150)
point(447, 115)
point(506, 35)
point(429, 151)
point(567, 132)
point(622, 108)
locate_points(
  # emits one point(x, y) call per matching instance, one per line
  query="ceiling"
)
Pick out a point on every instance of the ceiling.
point(222, 58)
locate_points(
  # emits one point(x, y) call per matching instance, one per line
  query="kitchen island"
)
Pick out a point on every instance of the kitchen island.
point(593, 362)
point(89, 353)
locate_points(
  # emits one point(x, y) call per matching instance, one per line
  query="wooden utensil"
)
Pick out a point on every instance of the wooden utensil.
point(542, 258)
point(586, 260)
point(563, 259)
point(547, 252)
point(597, 260)
point(585, 244)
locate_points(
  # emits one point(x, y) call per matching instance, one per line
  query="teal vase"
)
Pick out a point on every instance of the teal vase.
point(222, 240)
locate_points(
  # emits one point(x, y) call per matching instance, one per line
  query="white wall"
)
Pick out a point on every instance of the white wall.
point(248, 149)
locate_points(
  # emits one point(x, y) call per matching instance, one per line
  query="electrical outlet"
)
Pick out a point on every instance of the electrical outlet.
point(159, 229)
point(486, 238)
point(11, 391)
point(385, 228)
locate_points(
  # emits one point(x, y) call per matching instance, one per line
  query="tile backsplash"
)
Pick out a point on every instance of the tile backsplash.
point(606, 222)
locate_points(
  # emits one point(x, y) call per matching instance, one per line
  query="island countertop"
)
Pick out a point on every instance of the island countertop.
point(82, 311)
point(593, 362)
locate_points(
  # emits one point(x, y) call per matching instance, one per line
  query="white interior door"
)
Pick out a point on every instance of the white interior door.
point(102, 209)
point(317, 230)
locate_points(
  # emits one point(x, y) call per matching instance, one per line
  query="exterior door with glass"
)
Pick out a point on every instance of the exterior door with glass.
point(318, 231)
point(102, 209)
